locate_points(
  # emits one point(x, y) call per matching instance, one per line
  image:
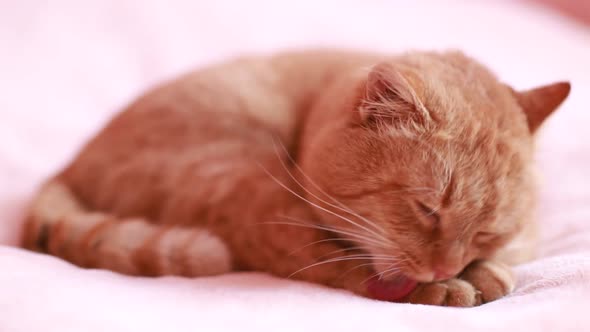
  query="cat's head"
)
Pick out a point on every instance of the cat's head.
point(429, 160)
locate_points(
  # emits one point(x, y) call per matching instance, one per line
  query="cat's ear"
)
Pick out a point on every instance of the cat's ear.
point(388, 96)
point(540, 102)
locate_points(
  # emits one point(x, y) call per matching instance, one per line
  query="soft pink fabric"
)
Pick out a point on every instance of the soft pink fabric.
point(66, 66)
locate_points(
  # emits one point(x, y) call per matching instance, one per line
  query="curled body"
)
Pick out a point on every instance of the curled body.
point(401, 177)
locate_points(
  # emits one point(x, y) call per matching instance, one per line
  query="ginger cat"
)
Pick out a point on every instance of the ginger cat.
point(398, 178)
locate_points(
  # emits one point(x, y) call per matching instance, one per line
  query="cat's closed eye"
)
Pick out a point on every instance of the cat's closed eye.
point(484, 237)
point(428, 213)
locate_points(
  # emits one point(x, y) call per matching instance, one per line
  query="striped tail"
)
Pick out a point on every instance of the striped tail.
point(59, 225)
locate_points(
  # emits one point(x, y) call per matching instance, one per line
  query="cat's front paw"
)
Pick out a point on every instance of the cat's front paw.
point(480, 282)
point(453, 292)
point(492, 279)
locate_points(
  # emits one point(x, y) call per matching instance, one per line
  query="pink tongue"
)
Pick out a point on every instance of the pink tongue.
point(391, 290)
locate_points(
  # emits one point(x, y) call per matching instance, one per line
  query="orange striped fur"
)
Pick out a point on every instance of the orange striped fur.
point(326, 166)
point(127, 245)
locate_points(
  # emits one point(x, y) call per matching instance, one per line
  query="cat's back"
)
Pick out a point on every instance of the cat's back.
point(209, 113)
point(272, 89)
point(275, 91)
point(250, 93)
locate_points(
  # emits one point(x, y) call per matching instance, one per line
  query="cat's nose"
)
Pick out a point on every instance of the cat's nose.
point(448, 263)
point(444, 272)
point(442, 275)
point(436, 274)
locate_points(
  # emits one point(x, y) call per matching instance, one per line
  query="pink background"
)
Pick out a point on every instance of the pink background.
point(66, 66)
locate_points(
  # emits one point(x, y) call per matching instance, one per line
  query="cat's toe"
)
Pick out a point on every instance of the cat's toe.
point(452, 292)
point(493, 280)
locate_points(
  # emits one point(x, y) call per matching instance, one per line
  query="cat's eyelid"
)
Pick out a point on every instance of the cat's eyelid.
point(486, 233)
point(484, 236)
point(429, 212)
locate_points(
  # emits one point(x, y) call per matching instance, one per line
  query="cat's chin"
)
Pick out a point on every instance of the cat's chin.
point(392, 290)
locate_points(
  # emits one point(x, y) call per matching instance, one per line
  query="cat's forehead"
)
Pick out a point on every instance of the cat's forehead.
point(452, 81)
point(478, 160)
point(467, 100)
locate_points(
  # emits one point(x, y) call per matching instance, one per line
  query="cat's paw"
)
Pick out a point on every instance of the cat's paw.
point(453, 292)
point(492, 279)
point(480, 282)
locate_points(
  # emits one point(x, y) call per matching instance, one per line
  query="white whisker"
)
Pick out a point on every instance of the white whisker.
point(356, 235)
point(370, 277)
point(347, 210)
point(309, 202)
point(358, 267)
point(341, 250)
point(368, 240)
point(333, 260)
point(321, 241)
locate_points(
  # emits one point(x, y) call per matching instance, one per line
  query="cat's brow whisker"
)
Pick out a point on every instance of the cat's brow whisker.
point(435, 209)
point(447, 167)
point(347, 210)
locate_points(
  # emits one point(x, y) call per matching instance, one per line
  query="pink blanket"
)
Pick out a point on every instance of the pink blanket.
point(66, 66)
